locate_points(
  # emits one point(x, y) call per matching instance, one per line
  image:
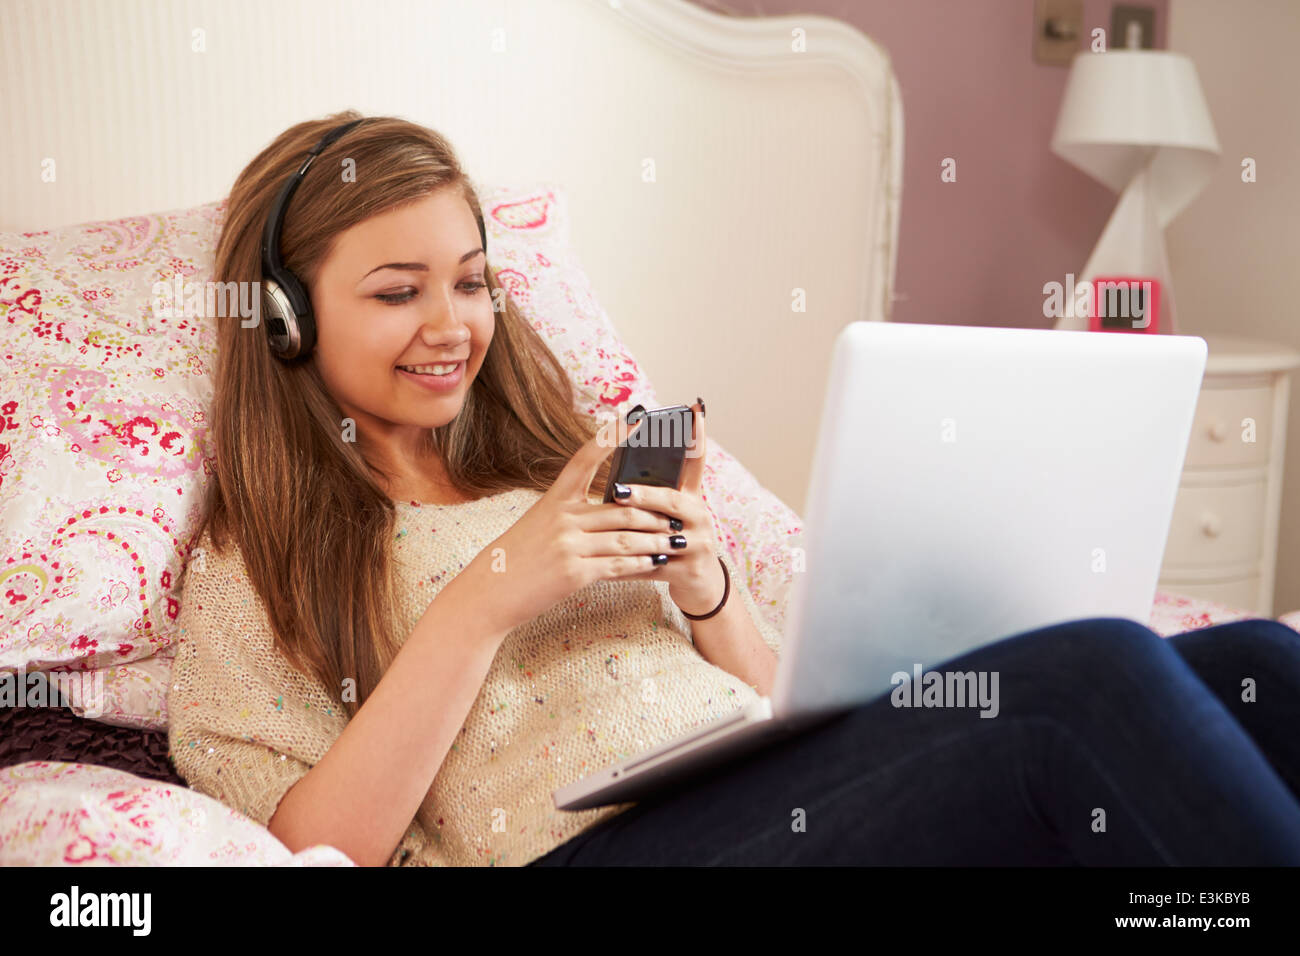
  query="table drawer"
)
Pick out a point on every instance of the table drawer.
point(1217, 430)
point(1216, 525)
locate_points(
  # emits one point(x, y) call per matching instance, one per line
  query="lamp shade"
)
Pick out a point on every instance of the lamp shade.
point(1126, 110)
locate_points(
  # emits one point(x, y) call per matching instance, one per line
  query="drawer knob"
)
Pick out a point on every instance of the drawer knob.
point(1211, 525)
point(1218, 431)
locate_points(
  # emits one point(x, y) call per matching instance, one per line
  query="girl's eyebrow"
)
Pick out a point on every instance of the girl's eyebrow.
point(420, 266)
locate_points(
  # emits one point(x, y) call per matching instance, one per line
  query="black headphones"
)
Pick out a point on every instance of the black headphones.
point(290, 325)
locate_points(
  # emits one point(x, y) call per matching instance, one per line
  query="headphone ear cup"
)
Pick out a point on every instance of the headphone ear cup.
point(290, 326)
point(306, 320)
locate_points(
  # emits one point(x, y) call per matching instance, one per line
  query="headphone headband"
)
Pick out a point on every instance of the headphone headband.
point(271, 262)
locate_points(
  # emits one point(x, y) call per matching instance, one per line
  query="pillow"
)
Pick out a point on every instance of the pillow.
point(69, 814)
point(103, 452)
point(102, 421)
point(131, 695)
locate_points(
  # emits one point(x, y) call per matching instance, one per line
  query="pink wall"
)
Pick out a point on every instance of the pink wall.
point(976, 251)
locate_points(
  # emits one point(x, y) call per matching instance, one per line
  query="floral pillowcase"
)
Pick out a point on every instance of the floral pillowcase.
point(103, 432)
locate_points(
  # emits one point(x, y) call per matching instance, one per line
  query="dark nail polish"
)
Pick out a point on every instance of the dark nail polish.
point(678, 541)
point(675, 524)
point(701, 403)
point(660, 560)
point(622, 490)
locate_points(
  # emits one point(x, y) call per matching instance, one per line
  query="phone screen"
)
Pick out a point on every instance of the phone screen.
point(655, 452)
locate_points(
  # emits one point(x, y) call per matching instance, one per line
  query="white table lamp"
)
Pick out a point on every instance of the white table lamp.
point(1136, 121)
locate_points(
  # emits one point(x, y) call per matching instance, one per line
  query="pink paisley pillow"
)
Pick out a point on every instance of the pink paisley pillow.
point(103, 448)
point(101, 428)
point(74, 814)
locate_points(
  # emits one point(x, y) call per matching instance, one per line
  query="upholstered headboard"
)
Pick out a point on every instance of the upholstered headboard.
point(734, 182)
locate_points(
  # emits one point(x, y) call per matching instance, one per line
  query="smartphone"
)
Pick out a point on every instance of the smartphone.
point(655, 452)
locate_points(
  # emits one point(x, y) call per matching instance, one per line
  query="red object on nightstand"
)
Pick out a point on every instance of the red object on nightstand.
point(1125, 304)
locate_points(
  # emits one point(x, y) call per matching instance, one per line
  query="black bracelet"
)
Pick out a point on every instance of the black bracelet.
point(726, 590)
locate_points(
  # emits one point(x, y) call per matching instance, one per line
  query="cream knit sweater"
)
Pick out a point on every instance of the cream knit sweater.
point(604, 674)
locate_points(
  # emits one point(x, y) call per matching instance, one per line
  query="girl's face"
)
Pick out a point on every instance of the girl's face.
point(397, 295)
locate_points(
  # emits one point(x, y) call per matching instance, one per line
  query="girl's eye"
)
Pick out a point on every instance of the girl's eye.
point(397, 298)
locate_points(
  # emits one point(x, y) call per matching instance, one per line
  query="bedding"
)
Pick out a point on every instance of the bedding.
point(73, 814)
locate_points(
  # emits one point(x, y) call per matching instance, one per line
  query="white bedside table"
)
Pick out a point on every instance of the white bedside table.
point(1222, 543)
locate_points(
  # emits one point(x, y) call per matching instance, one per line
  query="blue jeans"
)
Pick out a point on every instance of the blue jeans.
point(1112, 746)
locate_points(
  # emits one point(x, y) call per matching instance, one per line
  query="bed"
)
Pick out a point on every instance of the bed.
point(635, 155)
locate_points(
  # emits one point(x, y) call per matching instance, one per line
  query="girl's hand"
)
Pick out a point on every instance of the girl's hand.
point(695, 580)
point(564, 542)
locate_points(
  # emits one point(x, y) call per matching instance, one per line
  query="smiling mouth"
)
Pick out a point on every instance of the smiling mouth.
point(438, 369)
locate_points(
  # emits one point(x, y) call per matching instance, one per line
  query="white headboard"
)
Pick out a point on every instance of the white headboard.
point(775, 145)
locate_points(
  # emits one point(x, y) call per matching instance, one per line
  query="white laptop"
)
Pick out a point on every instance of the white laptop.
point(968, 484)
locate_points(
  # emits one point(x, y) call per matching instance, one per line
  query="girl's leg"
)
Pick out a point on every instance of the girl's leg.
point(1106, 749)
point(1253, 668)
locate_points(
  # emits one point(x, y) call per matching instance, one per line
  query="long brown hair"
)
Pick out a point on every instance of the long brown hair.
point(313, 525)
